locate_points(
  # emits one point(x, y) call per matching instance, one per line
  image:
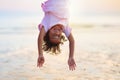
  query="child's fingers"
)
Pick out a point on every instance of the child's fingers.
point(72, 66)
point(40, 62)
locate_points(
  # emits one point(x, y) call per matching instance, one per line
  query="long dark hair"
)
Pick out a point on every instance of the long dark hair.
point(51, 47)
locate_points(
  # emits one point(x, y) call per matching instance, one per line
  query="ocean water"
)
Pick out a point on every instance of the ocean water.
point(17, 33)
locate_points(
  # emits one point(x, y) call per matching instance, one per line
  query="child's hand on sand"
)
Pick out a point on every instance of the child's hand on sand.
point(71, 64)
point(40, 61)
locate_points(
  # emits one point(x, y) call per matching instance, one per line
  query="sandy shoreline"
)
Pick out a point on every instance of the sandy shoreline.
point(97, 57)
point(90, 66)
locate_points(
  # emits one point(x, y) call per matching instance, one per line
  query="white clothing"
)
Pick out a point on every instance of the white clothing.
point(56, 12)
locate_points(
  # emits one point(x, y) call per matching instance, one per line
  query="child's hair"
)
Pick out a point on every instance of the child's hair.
point(52, 47)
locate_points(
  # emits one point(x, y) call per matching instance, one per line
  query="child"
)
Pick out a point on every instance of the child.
point(54, 23)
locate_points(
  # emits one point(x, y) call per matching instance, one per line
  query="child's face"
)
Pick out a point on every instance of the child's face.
point(55, 33)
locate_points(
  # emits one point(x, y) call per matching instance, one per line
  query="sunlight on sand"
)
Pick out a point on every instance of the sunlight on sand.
point(97, 56)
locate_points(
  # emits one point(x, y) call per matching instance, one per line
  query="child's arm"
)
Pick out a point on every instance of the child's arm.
point(71, 61)
point(40, 60)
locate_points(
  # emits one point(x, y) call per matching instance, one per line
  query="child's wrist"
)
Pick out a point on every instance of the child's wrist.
point(70, 57)
point(40, 54)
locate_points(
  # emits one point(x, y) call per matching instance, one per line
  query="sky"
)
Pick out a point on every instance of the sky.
point(80, 10)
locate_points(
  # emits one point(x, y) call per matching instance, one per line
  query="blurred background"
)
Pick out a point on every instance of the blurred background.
point(96, 28)
point(19, 17)
point(81, 12)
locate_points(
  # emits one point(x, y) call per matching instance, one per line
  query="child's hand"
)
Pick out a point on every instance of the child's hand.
point(71, 64)
point(40, 61)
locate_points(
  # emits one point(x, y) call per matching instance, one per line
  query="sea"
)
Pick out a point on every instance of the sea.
point(18, 31)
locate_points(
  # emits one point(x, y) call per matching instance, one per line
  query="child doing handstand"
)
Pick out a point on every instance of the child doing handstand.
point(54, 23)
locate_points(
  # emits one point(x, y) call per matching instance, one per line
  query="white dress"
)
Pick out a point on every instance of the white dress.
point(56, 12)
point(57, 7)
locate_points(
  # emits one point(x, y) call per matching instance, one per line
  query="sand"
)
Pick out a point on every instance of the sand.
point(97, 55)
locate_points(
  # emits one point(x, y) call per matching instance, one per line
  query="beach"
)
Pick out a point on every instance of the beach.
point(97, 56)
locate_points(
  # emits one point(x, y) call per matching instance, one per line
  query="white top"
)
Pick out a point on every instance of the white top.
point(56, 12)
